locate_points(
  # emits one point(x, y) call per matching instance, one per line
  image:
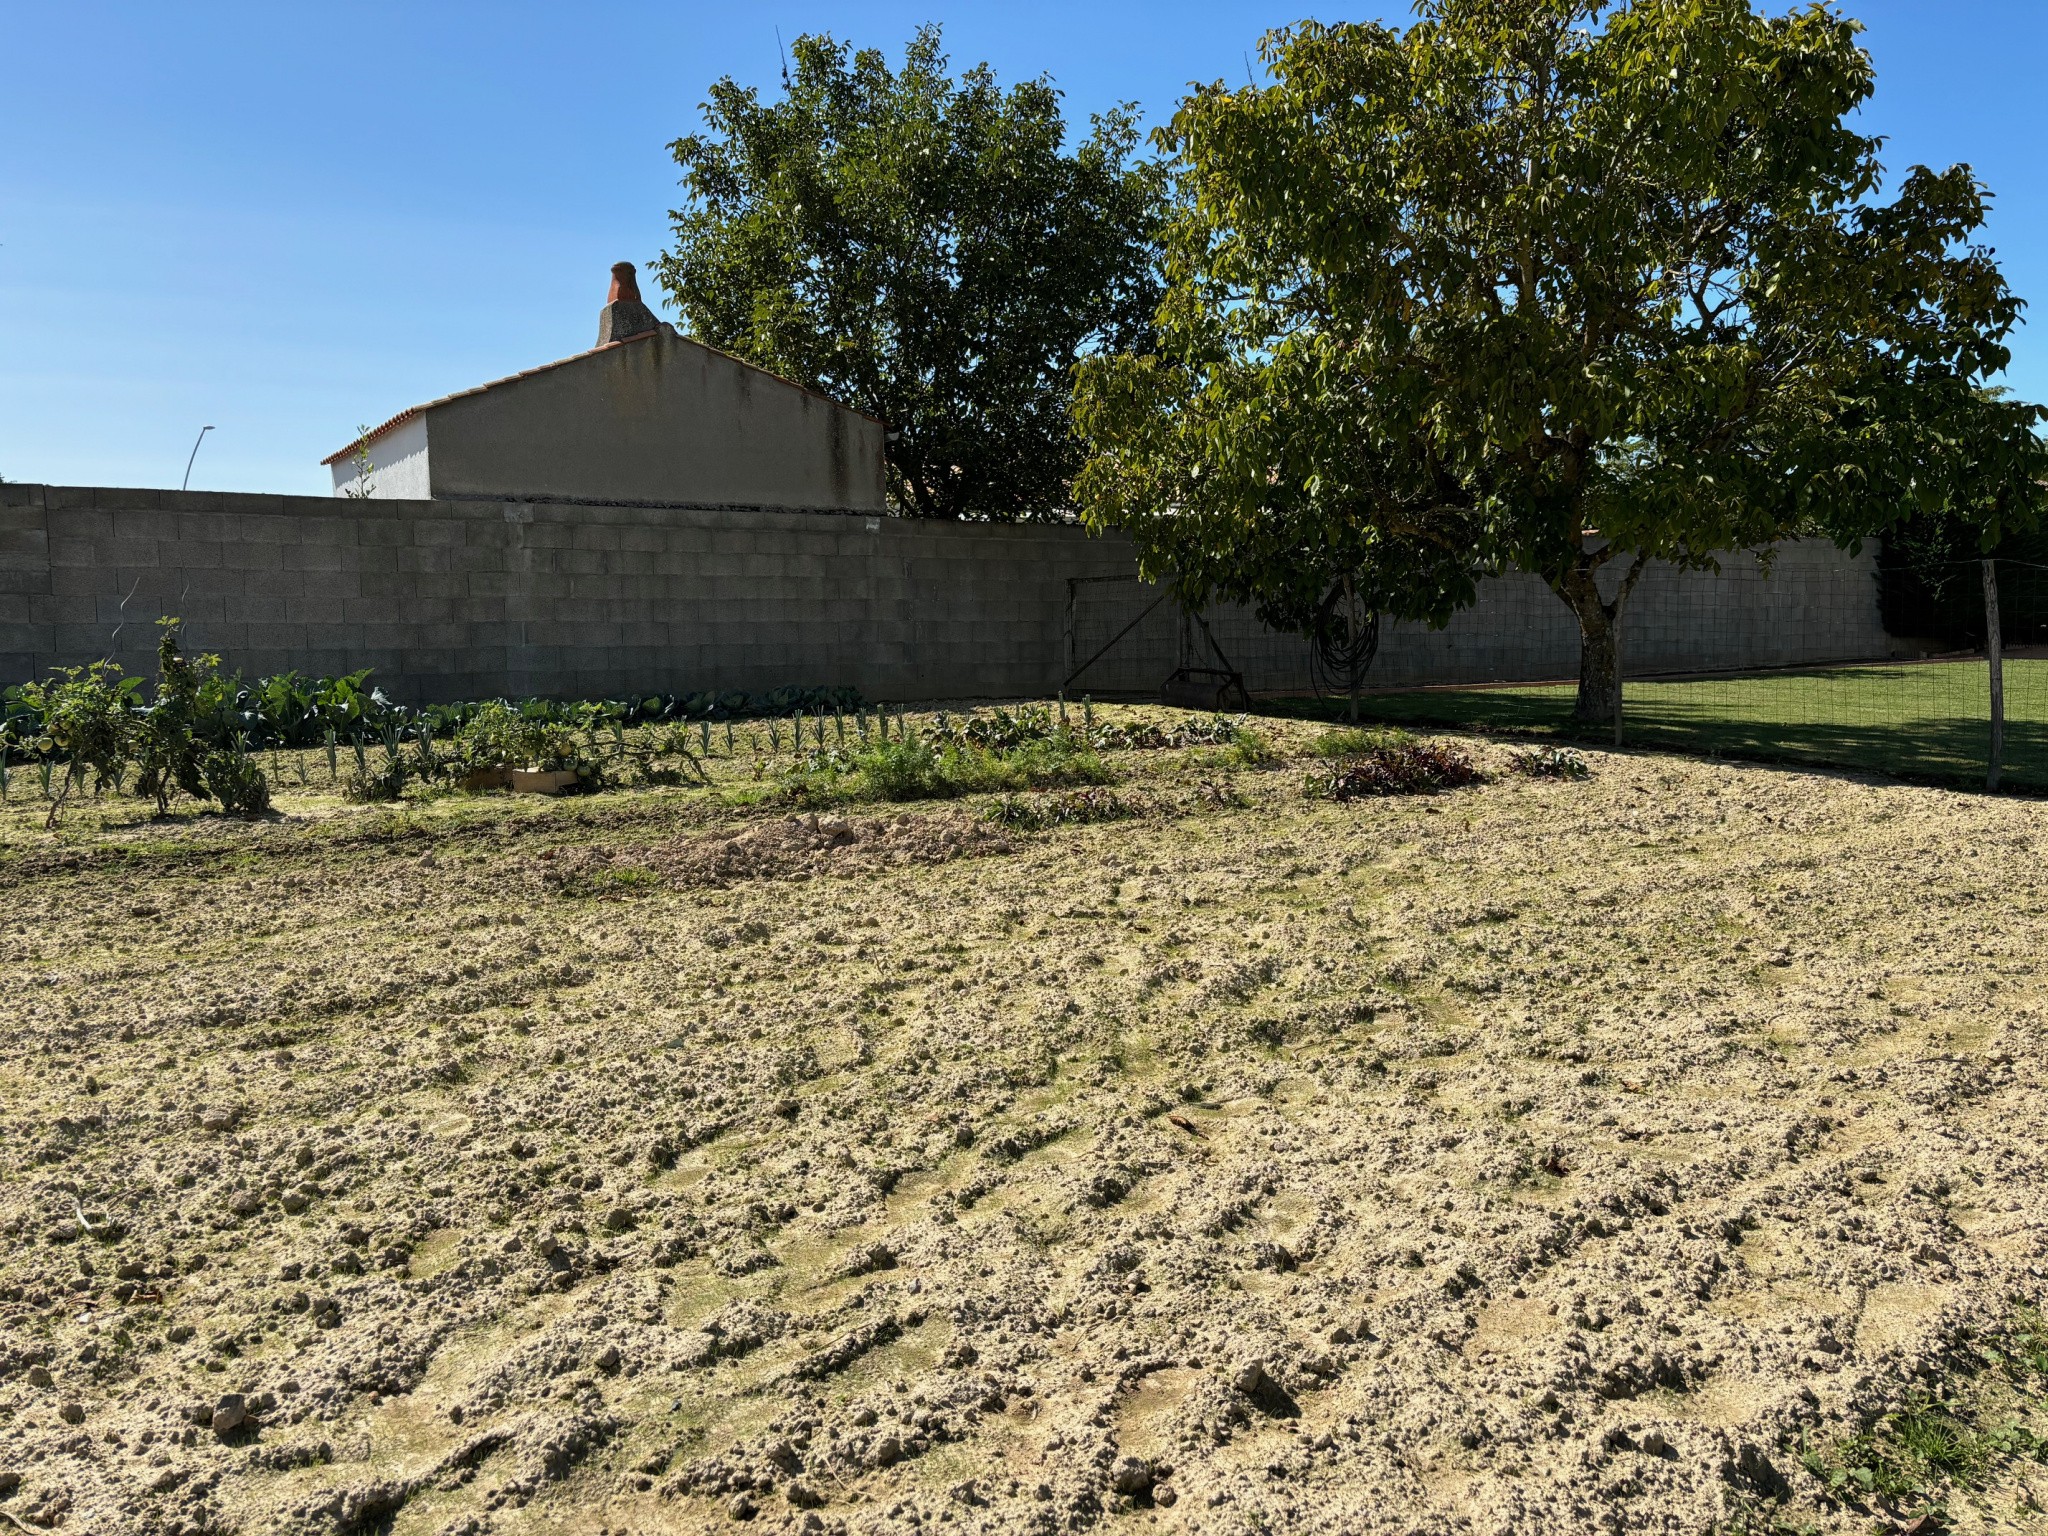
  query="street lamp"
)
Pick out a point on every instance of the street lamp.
point(193, 455)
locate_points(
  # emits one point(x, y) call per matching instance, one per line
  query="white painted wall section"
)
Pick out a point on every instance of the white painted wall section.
point(398, 461)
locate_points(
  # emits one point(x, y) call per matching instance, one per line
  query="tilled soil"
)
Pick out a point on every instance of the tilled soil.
point(1544, 1156)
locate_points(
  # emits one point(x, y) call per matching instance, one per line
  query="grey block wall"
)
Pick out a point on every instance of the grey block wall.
point(471, 599)
point(1815, 604)
point(468, 599)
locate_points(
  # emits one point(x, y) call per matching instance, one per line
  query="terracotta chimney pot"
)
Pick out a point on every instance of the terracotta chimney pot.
point(623, 314)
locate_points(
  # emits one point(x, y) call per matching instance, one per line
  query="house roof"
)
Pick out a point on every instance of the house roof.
point(462, 394)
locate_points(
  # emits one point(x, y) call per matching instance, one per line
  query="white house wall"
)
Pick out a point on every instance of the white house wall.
point(398, 465)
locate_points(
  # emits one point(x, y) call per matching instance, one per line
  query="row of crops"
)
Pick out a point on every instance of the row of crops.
point(291, 711)
point(200, 731)
point(213, 736)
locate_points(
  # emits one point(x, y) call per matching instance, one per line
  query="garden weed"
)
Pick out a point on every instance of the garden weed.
point(1406, 768)
point(1549, 763)
point(1358, 740)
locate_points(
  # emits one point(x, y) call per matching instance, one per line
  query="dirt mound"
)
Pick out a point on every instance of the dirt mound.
point(791, 848)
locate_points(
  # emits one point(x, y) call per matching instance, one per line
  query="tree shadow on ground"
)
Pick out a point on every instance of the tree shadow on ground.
point(1755, 718)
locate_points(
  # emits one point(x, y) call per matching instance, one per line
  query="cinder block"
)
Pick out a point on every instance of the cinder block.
point(173, 503)
point(81, 580)
point(277, 635)
point(472, 560)
point(125, 498)
point(244, 504)
point(315, 608)
point(384, 532)
point(23, 546)
point(324, 656)
point(317, 557)
point(184, 582)
point(267, 530)
point(437, 533)
point(259, 606)
point(253, 557)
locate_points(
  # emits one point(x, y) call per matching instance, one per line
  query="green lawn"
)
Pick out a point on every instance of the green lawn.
point(1928, 720)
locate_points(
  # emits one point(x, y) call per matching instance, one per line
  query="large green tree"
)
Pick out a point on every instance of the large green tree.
point(927, 249)
point(1558, 285)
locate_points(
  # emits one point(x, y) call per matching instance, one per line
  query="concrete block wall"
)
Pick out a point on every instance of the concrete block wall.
point(470, 599)
point(1814, 604)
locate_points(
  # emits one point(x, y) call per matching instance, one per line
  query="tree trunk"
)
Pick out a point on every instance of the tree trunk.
point(1598, 660)
point(1598, 656)
point(1599, 701)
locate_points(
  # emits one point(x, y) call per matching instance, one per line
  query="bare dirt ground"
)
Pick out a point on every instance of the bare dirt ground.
point(1544, 1156)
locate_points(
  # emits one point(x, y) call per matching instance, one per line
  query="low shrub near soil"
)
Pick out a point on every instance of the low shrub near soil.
point(184, 740)
point(1356, 740)
point(1395, 768)
point(1074, 807)
point(1549, 763)
point(938, 768)
point(1005, 730)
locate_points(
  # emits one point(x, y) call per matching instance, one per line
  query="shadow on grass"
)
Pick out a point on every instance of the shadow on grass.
point(1843, 718)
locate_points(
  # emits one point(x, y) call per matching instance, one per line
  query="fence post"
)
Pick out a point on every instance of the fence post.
point(1617, 673)
point(1067, 665)
point(1994, 654)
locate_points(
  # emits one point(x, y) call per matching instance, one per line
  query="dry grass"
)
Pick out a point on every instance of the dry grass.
point(1568, 1154)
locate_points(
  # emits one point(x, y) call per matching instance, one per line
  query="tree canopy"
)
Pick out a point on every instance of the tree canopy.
point(926, 249)
point(1557, 285)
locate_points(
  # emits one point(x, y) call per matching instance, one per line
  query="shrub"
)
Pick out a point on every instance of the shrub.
point(1143, 736)
point(170, 756)
point(1058, 760)
point(1009, 730)
point(233, 778)
point(939, 767)
point(1405, 768)
point(1070, 808)
point(498, 736)
point(1356, 740)
point(903, 770)
point(367, 785)
point(186, 740)
point(651, 757)
point(187, 737)
point(1549, 763)
point(1001, 730)
point(85, 716)
point(1249, 749)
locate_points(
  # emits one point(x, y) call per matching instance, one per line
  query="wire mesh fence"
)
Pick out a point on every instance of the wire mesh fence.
point(1959, 694)
point(1812, 656)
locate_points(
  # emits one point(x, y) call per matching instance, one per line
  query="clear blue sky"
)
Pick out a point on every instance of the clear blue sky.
point(288, 219)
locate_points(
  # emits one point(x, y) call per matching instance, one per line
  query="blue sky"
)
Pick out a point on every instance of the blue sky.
point(286, 219)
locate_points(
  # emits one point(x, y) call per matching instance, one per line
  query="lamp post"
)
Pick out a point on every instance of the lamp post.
point(182, 484)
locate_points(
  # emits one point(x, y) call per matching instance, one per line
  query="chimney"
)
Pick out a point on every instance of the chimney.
point(623, 314)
